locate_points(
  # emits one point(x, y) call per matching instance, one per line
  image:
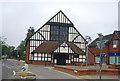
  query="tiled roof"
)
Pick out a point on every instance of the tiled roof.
point(106, 37)
point(75, 48)
point(51, 46)
point(118, 34)
point(47, 47)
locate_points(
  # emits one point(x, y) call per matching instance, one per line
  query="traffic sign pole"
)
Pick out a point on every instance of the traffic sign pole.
point(100, 45)
point(23, 73)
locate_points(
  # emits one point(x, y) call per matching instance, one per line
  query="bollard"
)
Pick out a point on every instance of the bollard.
point(23, 72)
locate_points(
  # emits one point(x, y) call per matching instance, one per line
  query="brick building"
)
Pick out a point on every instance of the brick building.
point(111, 49)
point(56, 42)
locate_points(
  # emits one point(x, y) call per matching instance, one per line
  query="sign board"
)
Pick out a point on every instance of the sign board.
point(23, 68)
point(102, 58)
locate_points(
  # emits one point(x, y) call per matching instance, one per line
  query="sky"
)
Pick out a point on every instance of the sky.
point(88, 16)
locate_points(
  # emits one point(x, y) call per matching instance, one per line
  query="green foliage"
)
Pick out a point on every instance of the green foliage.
point(4, 48)
point(23, 58)
point(31, 30)
point(21, 48)
point(115, 65)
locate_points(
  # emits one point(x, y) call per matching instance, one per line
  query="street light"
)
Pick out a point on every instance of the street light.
point(88, 39)
point(100, 44)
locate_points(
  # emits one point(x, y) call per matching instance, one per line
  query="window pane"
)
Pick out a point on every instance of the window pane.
point(49, 59)
point(115, 43)
point(97, 59)
point(35, 58)
point(59, 33)
point(118, 59)
point(39, 58)
point(112, 59)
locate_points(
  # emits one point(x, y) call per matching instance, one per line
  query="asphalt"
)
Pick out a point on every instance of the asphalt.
point(41, 71)
point(8, 66)
point(45, 72)
point(0, 70)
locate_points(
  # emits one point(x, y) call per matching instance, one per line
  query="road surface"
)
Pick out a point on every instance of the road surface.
point(45, 72)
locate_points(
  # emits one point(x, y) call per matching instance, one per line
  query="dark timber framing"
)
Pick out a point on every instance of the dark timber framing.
point(59, 28)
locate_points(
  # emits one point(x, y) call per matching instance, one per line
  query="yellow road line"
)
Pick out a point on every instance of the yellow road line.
point(65, 73)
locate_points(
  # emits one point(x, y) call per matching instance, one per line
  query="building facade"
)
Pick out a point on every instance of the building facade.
point(56, 42)
point(111, 51)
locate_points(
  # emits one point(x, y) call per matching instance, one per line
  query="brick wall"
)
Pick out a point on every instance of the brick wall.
point(27, 53)
point(91, 58)
point(42, 62)
point(105, 50)
point(111, 45)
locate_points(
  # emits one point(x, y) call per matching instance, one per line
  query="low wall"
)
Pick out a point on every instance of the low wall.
point(86, 72)
point(42, 62)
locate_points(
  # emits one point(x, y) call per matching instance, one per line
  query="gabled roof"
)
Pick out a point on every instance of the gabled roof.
point(51, 46)
point(60, 17)
point(106, 37)
point(118, 34)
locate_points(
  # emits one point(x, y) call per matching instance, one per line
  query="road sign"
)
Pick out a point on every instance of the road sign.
point(23, 69)
point(23, 73)
point(102, 58)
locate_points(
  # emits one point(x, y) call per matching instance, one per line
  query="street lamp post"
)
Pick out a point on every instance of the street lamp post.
point(100, 45)
point(100, 38)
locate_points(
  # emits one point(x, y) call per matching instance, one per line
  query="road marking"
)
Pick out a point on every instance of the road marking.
point(8, 67)
point(14, 73)
point(65, 73)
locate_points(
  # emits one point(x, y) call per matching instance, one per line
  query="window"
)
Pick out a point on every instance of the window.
point(112, 59)
point(59, 33)
point(97, 59)
point(118, 59)
point(115, 43)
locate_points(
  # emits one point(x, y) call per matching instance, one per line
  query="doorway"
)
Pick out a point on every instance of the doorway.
point(61, 58)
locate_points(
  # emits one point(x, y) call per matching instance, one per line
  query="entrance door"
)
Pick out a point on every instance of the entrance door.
point(61, 60)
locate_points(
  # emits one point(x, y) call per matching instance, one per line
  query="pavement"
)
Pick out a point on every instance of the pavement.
point(9, 66)
point(47, 72)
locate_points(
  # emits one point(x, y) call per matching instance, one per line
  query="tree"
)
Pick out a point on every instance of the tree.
point(5, 49)
point(31, 30)
point(21, 49)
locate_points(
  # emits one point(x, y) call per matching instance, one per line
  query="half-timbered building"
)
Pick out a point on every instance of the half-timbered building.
point(56, 42)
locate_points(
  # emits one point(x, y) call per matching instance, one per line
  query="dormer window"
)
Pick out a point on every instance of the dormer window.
point(115, 43)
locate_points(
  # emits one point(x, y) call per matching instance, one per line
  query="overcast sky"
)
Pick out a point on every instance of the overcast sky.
point(88, 16)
